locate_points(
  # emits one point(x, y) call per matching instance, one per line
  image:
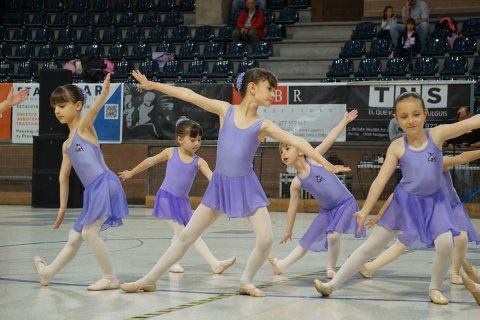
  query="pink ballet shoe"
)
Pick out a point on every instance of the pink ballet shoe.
point(322, 288)
point(275, 268)
point(252, 292)
point(470, 271)
point(224, 265)
point(437, 297)
point(132, 287)
point(366, 273)
point(39, 263)
point(470, 286)
point(176, 268)
point(104, 284)
point(330, 274)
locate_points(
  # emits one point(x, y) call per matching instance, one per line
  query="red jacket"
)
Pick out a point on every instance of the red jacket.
point(258, 21)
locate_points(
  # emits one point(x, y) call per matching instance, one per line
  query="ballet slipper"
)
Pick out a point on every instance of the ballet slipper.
point(366, 273)
point(275, 268)
point(104, 284)
point(132, 287)
point(470, 286)
point(176, 268)
point(437, 297)
point(470, 271)
point(252, 292)
point(39, 263)
point(330, 274)
point(224, 265)
point(322, 288)
point(455, 278)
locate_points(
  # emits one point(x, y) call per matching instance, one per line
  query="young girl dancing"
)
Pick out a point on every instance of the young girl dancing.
point(13, 99)
point(104, 201)
point(171, 201)
point(234, 188)
point(467, 231)
point(338, 204)
point(419, 207)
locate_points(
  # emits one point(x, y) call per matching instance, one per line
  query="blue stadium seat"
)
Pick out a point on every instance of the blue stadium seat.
point(288, 15)
point(117, 51)
point(181, 80)
point(364, 30)
point(425, 66)
point(380, 48)
point(41, 36)
point(134, 34)
point(148, 68)
point(100, 5)
point(37, 19)
point(105, 19)
point(454, 65)
point(6, 68)
point(269, 16)
point(123, 5)
point(51, 65)
point(111, 35)
point(68, 52)
point(397, 67)
point(203, 34)
point(188, 50)
point(369, 67)
point(353, 48)
point(173, 18)
point(244, 65)
point(300, 4)
point(66, 35)
point(61, 19)
point(341, 67)
point(276, 4)
point(212, 50)
point(46, 52)
point(145, 5)
point(165, 47)
point(207, 81)
point(26, 69)
point(36, 5)
point(275, 32)
point(128, 18)
point(3, 50)
point(150, 18)
point(79, 5)
point(14, 19)
point(165, 5)
point(88, 35)
point(222, 69)
point(171, 69)
point(21, 52)
point(140, 52)
point(197, 69)
point(186, 5)
point(95, 50)
point(236, 50)
point(157, 34)
point(261, 50)
point(464, 45)
point(435, 46)
point(56, 5)
point(123, 69)
point(476, 67)
point(180, 34)
point(225, 33)
point(83, 19)
point(20, 35)
point(471, 27)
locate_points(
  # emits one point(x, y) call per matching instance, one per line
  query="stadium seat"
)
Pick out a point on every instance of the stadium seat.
point(197, 69)
point(157, 34)
point(134, 34)
point(261, 50)
point(123, 5)
point(105, 19)
point(111, 35)
point(275, 32)
point(380, 48)
point(123, 69)
point(222, 69)
point(95, 50)
point(341, 67)
point(61, 19)
point(165, 5)
point(212, 50)
point(20, 35)
point(353, 49)
point(369, 67)
point(68, 52)
point(236, 50)
point(46, 52)
point(244, 65)
point(396, 67)
point(471, 27)
point(6, 68)
point(128, 18)
point(100, 5)
point(425, 66)
point(364, 30)
point(464, 45)
point(21, 52)
point(203, 34)
point(186, 5)
point(148, 68)
point(288, 15)
point(117, 51)
point(26, 69)
point(171, 69)
point(145, 5)
point(150, 18)
point(51, 65)
point(435, 46)
point(37, 19)
point(173, 18)
point(476, 67)
point(180, 34)
point(300, 4)
point(454, 65)
point(188, 50)
point(82, 19)
point(41, 36)
point(88, 35)
point(140, 51)
point(65, 35)
point(165, 47)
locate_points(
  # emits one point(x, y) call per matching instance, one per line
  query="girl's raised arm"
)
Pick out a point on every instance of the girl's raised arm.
point(211, 105)
point(335, 132)
point(164, 155)
point(463, 158)
point(92, 112)
point(445, 132)
point(13, 99)
point(272, 130)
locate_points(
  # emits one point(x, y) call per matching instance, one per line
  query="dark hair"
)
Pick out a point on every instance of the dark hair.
point(410, 21)
point(185, 126)
point(408, 95)
point(254, 75)
point(66, 93)
point(385, 12)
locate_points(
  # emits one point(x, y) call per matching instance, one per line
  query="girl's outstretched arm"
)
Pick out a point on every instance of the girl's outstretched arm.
point(445, 132)
point(380, 213)
point(332, 136)
point(211, 105)
point(91, 114)
point(13, 99)
point(64, 181)
point(272, 130)
point(295, 188)
point(463, 158)
point(164, 155)
point(205, 169)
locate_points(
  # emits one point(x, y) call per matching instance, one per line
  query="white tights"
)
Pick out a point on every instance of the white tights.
point(298, 253)
point(200, 221)
point(199, 245)
point(91, 235)
point(378, 240)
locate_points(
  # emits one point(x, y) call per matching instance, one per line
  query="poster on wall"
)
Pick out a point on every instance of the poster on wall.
point(152, 114)
point(108, 123)
point(25, 115)
point(5, 117)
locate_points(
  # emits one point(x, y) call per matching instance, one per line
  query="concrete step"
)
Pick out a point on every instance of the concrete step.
point(291, 68)
point(306, 49)
point(320, 31)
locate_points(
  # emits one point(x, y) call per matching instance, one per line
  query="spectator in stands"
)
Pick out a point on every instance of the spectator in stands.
point(470, 138)
point(409, 42)
point(394, 130)
point(250, 24)
point(239, 5)
point(417, 10)
point(389, 19)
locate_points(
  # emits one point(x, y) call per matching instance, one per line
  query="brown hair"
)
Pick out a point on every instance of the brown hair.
point(408, 95)
point(185, 126)
point(254, 75)
point(66, 93)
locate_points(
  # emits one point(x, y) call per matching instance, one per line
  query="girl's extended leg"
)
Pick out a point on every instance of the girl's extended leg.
point(278, 266)
point(262, 227)
point(459, 253)
point(91, 235)
point(379, 238)
point(217, 266)
point(69, 251)
point(333, 239)
point(385, 258)
point(177, 228)
point(441, 262)
point(201, 220)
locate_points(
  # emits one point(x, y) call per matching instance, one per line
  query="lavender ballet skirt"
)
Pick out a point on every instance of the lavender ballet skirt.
point(104, 197)
point(339, 219)
point(421, 218)
point(170, 207)
point(237, 197)
point(464, 223)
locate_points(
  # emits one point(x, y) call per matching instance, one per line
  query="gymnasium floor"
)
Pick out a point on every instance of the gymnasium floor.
point(399, 291)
